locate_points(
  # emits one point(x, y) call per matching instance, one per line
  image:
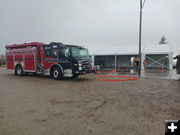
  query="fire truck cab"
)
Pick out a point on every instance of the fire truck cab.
point(55, 59)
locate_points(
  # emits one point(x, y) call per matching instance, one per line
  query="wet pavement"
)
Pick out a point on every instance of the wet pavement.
point(151, 73)
point(162, 74)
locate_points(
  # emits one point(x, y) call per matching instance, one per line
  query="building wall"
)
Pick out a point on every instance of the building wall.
point(109, 61)
point(124, 61)
point(105, 61)
point(161, 58)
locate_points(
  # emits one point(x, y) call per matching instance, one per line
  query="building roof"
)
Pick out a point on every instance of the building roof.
point(131, 50)
point(157, 49)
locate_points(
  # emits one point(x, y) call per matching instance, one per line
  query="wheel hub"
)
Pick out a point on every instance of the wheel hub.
point(19, 71)
point(56, 73)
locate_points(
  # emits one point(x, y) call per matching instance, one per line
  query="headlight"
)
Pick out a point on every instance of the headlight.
point(80, 64)
point(80, 68)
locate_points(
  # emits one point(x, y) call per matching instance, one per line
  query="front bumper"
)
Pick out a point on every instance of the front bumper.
point(82, 72)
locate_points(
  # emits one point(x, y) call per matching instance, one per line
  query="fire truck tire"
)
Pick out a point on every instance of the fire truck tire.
point(75, 76)
point(34, 73)
point(57, 73)
point(19, 71)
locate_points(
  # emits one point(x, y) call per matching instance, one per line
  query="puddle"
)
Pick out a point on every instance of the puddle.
point(151, 73)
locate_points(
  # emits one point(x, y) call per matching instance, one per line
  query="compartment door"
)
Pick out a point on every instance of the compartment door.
point(10, 61)
point(30, 62)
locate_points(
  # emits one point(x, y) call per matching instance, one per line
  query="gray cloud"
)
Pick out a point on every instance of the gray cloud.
point(88, 22)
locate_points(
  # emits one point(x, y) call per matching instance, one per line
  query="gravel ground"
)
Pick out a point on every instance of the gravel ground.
point(39, 105)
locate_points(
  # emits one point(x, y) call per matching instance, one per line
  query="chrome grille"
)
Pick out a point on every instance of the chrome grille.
point(86, 64)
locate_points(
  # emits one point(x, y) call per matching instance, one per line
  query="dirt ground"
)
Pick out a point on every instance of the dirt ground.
point(39, 105)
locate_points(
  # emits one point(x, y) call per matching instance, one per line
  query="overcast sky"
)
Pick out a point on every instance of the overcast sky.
point(89, 23)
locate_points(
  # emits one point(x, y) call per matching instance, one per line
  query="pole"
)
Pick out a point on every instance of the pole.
point(140, 34)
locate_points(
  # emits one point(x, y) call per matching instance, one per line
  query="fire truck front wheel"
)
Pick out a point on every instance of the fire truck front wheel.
point(19, 70)
point(57, 73)
point(75, 76)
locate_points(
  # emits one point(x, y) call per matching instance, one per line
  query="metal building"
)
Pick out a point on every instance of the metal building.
point(153, 56)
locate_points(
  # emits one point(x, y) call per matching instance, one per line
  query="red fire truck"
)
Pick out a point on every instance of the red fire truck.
point(55, 59)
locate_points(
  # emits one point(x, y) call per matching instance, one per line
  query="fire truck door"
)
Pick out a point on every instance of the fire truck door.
point(64, 58)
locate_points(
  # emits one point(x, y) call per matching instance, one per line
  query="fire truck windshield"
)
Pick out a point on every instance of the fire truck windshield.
point(79, 52)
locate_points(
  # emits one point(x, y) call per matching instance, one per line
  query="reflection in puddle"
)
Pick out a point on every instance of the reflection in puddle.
point(151, 73)
point(157, 73)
